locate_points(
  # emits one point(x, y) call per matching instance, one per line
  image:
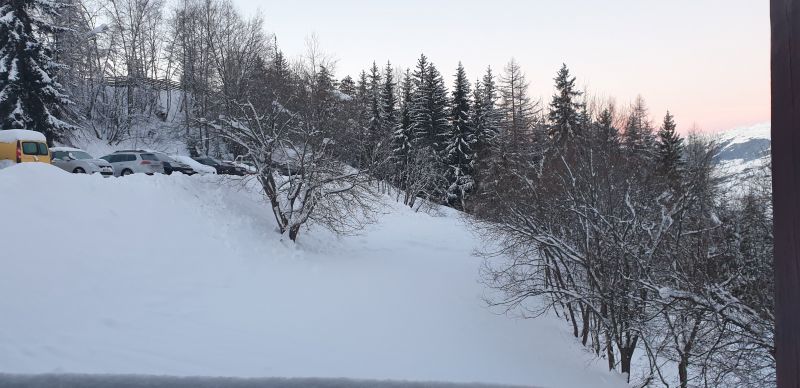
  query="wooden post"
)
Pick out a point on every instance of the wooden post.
point(785, 21)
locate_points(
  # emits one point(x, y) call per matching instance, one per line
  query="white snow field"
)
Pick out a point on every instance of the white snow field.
point(186, 276)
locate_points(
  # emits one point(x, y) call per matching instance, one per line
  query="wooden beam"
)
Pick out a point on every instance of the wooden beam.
point(785, 21)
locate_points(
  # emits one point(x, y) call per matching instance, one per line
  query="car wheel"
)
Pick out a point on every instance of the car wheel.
point(126, 172)
point(79, 170)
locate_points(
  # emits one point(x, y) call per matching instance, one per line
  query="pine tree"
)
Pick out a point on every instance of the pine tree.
point(418, 106)
point(565, 111)
point(30, 96)
point(607, 133)
point(487, 123)
point(389, 100)
point(375, 108)
point(460, 143)
point(280, 80)
point(638, 139)
point(670, 151)
point(403, 135)
point(347, 86)
point(439, 124)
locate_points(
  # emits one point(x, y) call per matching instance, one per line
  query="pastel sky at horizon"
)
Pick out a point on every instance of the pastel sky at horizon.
point(707, 61)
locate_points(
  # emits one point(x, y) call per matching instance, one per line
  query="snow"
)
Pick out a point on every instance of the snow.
point(65, 149)
point(744, 134)
point(185, 276)
point(12, 135)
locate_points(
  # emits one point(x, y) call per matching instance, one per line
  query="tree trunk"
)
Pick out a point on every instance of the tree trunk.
point(293, 231)
point(683, 374)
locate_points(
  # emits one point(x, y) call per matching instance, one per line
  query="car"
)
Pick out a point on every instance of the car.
point(78, 161)
point(22, 146)
point(134, 161)
point(171, 164)
point(198, 167)
point(220, 166)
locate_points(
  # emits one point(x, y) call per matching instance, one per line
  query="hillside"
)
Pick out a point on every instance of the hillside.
point(743, 151)
point(185, 276)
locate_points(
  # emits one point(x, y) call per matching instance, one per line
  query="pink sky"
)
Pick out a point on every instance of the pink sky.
point(707, 61)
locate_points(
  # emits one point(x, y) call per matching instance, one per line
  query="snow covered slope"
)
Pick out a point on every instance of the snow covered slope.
point(185, 276)
point(743, 151)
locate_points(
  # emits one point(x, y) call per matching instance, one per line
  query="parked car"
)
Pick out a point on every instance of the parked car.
point(134, 161)
point(220, 166)
point(198, 167)
point(171, 164)
point(78, 161)
point(21, 146)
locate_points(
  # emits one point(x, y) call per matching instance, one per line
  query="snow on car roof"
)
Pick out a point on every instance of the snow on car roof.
point(66, 149)
point(9, 135)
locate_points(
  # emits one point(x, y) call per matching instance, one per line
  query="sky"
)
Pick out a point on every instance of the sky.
point(706, 61)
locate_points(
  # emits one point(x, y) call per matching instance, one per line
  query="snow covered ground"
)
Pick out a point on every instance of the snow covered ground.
point(185, 276)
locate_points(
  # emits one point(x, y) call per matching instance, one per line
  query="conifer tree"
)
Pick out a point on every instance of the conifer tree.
point(670, 151)
point(30, 96)
point(403, 137)
point(460, 153)
point(438, 115)
point(638, 139)
point(375, 108)
point(418, 106)
point(389, 100)
point(565, 110)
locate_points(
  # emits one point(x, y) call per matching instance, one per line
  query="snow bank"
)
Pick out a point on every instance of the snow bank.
point(185, 276)
point(12, 135)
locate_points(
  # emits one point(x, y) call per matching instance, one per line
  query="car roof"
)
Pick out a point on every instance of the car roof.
point(9, 135)
point(66, 149)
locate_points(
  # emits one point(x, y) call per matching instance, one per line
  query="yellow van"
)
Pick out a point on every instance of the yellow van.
point(21, 146)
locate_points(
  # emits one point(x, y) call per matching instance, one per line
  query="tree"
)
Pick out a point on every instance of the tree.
point(389, 99)
point(460, 155)
point(30, 96)
point(565, 111)
point(519, 112)
point(403, 136)
point(670, 152)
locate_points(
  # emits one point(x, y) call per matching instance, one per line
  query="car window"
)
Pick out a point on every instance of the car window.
point(29, 148)
point(59, 154)
point(148, 157)
point(43, 149)
point(80, 155)
point(127, 158)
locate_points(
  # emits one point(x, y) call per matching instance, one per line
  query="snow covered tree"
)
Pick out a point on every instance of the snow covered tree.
point(389, 99)
point(670, 152)
point(460, 154)
point(565, 110)
point(519, 112)
point(375, 108)
point(403, 136)
point(486, 115)
point(30, 96)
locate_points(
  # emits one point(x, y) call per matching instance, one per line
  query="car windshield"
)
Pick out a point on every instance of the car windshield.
point(80, 155)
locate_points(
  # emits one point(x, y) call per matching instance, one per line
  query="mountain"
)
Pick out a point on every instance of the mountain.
point(743, 152)
point(745, 144)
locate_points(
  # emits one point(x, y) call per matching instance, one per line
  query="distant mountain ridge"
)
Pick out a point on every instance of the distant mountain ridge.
point(745, 144)
point(743, 152)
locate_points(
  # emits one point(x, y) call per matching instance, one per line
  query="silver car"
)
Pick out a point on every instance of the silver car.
point(79, 161)
point(134, 161)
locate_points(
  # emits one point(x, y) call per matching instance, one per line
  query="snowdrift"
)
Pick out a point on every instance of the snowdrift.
point(186, 276)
